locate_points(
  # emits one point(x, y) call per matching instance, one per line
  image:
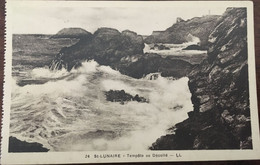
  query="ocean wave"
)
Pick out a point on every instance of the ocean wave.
point(174, 49)
point(67, 114)
point(47, 73)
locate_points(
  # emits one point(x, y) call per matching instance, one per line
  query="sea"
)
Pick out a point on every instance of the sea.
point(68, 111)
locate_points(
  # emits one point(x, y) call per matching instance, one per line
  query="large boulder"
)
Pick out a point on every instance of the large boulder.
point(110, 45)
point(107, 46)
point(141, 65)
point(220, 92)
point(121, 51)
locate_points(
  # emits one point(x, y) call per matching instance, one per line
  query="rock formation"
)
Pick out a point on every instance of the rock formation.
point(122, 97)
point(106, 46)
point(71, 33)
point(179, 32)
point(193, 47)
point(220, 93)
point(179, 19)
point(121, 51)
point(16, 145)
point(141, 65)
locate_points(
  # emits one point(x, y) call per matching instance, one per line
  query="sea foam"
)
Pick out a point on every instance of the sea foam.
point(70, 111)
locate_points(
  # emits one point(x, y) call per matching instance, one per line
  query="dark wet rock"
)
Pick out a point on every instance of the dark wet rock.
point(139, 66)
point(181, 31)
point(193, 47)
point(16, 145)
point(200, 132)
point(122, 97)
point(122, 52)
point(106, 46)
point(24, 82)
point(72, 33)
point(160, 47)
point(220, 93)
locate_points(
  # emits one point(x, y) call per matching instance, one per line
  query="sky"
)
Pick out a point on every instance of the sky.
point(143, 20)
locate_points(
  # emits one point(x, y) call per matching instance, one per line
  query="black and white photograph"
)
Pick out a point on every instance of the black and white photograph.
point(126, 78)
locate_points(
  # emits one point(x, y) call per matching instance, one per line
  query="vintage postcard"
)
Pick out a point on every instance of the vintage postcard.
point(121, 81)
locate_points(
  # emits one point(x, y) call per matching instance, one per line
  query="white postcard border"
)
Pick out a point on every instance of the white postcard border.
point(89, 156)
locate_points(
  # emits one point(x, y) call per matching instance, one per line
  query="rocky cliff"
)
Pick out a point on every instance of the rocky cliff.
point(71, 33)
point(121, 51)
point(182, 31)
point(220, 93)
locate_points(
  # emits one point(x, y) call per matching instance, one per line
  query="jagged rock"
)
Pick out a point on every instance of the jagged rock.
point(193, 47)
point(106, 46)
point(179, 32)
point(121, 51)
point(220, 92)
point(72, 33)
point(202, 131)
point(122, 97)
point(153, 63)
point(16, 145)
point(227, 117)
point(179, 19)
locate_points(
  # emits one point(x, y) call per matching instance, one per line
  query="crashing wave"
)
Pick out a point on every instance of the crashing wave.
point(72, 106)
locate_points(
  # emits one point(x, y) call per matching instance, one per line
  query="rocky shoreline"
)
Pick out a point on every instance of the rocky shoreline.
point(219, 87)
point(121, 51)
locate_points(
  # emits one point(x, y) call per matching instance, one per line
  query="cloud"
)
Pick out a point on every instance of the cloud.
point(49, 20)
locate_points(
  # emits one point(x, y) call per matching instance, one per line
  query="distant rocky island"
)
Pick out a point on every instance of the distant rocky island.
point(71, 33)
